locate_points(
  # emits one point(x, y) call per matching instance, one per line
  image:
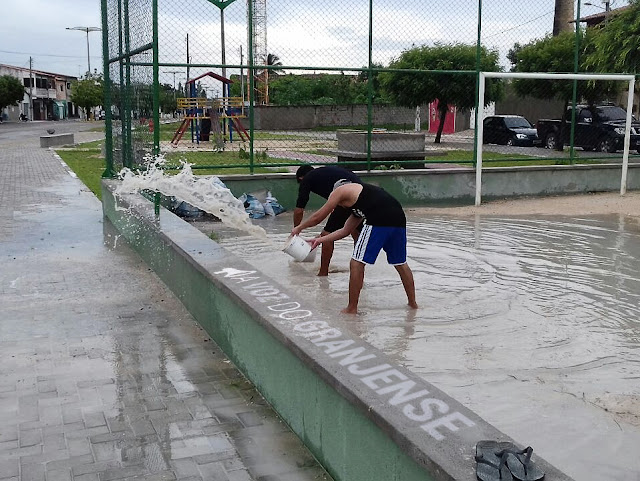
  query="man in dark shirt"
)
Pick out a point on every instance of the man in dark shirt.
point(320, 181)
point(384, 229)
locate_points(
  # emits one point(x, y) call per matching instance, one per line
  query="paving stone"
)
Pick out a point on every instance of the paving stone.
point(94, 397)
point(58, 475)
point(9, 469)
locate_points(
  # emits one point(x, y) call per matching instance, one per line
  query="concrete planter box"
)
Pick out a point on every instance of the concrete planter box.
point(387, 148)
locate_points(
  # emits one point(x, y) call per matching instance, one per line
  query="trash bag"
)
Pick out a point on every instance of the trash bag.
point(272, 206)
point(252, 206)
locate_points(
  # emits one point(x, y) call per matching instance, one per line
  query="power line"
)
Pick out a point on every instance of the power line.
point(521, 25)
point(46, 54)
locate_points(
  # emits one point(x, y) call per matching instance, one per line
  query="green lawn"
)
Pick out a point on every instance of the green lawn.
point(88, 166)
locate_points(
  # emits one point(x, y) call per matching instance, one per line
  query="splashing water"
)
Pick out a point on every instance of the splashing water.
point(201, 192)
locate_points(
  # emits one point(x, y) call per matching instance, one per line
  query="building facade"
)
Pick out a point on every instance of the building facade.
point(47, 96)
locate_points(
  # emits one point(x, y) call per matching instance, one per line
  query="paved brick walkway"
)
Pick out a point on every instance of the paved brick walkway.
point(105, 376)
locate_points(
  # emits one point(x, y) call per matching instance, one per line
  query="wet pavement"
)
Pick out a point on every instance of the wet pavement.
point(105, 375)
point(532, 322)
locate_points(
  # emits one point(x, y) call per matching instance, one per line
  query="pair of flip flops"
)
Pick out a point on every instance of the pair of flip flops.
point(505, 462)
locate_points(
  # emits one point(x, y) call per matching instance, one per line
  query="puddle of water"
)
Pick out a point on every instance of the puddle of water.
point(534, 323)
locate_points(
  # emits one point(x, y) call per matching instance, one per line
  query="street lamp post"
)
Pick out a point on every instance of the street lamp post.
point(86, 30)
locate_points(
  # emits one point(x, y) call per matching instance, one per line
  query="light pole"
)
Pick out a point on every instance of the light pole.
point(86, 30)
point(607, 5)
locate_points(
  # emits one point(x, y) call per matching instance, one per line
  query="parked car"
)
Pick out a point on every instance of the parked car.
point(509, 130)
point(598, 127)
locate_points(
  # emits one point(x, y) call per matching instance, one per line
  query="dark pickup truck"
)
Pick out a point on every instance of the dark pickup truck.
point(598, 128)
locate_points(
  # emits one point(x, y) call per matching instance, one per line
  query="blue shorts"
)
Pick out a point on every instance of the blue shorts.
point(374, 238)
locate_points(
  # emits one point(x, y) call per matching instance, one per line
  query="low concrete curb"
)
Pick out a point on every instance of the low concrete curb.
point(363, 416)
point(56, 139)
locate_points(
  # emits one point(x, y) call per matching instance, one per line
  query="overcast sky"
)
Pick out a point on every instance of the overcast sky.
point(300, 32)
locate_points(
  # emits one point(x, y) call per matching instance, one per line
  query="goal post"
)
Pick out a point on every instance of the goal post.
point(551, 76)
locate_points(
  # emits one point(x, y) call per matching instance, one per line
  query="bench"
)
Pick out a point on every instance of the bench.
point(56, 139)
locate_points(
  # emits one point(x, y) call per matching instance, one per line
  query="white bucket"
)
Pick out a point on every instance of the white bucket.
point(299, 249)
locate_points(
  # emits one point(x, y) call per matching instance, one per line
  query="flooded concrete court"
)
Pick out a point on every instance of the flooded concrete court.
point(532, 321)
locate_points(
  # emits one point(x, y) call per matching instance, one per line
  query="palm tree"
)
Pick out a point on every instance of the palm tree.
point(563, 16)
point(274, 61)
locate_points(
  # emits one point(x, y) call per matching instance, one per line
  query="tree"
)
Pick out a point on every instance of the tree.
point(87, 93)
point(274, 61)
point(556, 54)
point(11, 91)
point(616, 44)
point(411, 89)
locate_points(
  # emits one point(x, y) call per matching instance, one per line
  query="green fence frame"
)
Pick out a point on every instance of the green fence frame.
point(125, 60)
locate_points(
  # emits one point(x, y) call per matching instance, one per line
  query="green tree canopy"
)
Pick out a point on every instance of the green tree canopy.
point(11, 91)
point(556, 55)
point(87, 93)
point(616, 47)
point(411, 89)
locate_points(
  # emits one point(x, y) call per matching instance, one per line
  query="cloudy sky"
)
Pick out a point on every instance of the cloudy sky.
point(300, 32)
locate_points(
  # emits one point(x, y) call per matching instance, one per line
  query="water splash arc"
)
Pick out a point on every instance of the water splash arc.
point(202, 192)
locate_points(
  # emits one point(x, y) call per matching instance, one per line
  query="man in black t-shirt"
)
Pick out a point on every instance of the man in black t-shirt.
point(320, 181)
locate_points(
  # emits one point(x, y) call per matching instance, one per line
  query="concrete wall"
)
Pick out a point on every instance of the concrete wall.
point(273, 117)
point(364, 417)
point(457, 186)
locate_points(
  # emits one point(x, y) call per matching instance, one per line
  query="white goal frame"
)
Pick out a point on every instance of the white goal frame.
point(560, 76)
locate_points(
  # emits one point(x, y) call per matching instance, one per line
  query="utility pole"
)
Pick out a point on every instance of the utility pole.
point(31, 88)
point(87, 30)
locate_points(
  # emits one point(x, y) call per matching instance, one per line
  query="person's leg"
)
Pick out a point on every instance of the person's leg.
point(335, 221)
point(406, 276)
point(356, 281)
point(325, 256)
point(396, 249)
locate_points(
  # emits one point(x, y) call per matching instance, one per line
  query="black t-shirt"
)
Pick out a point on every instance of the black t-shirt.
point(320, 181)
point(379, 208)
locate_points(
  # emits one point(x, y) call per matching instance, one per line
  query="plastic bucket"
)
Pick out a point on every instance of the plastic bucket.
point(297, 248)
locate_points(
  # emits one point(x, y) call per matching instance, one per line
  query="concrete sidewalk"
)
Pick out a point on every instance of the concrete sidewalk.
point(105, 375)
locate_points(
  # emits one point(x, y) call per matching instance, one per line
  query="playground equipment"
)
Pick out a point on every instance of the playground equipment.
point(207, 116)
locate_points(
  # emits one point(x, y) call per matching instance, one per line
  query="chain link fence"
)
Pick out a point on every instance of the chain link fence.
point(267, 84)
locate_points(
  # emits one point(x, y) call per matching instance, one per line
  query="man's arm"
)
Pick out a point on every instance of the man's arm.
point(349, 226)
point(319, 215)
point(298, 214)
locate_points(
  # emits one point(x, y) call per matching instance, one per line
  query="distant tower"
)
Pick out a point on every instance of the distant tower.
point(563, 16)
point(259, 42)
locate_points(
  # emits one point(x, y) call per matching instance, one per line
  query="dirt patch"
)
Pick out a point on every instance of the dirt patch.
point(571, 205)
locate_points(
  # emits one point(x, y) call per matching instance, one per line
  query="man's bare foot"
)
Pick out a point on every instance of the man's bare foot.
point(349, 310)
point(413, 305)
point(323, 274)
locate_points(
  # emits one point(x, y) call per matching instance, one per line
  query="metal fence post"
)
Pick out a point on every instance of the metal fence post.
point(108, 139)
point(479, 100)
point(251, 73)
point(574, 97)
point(156, 82)
point(370, 88)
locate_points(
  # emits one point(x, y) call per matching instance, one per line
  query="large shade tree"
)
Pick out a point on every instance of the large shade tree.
point(410, 89)
point(557, 55)
point(11, 91)
point(616, 46)
point(87, 93)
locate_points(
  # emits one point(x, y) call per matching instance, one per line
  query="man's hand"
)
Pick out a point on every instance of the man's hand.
point(296, 230)
point(315, 242)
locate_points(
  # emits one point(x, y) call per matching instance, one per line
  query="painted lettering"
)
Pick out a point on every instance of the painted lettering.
point(257, 285)
point(355, 369)
point(403, 392)
point(385, 376)
point(352, 356)
point(231, 272)
point(330, 333)
point(287, 306)
point(333, 346)
point(427, 413)
point(445, 422)
point(310, 326)
point(295, 314)
point(265, 291)
point(279, 297)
